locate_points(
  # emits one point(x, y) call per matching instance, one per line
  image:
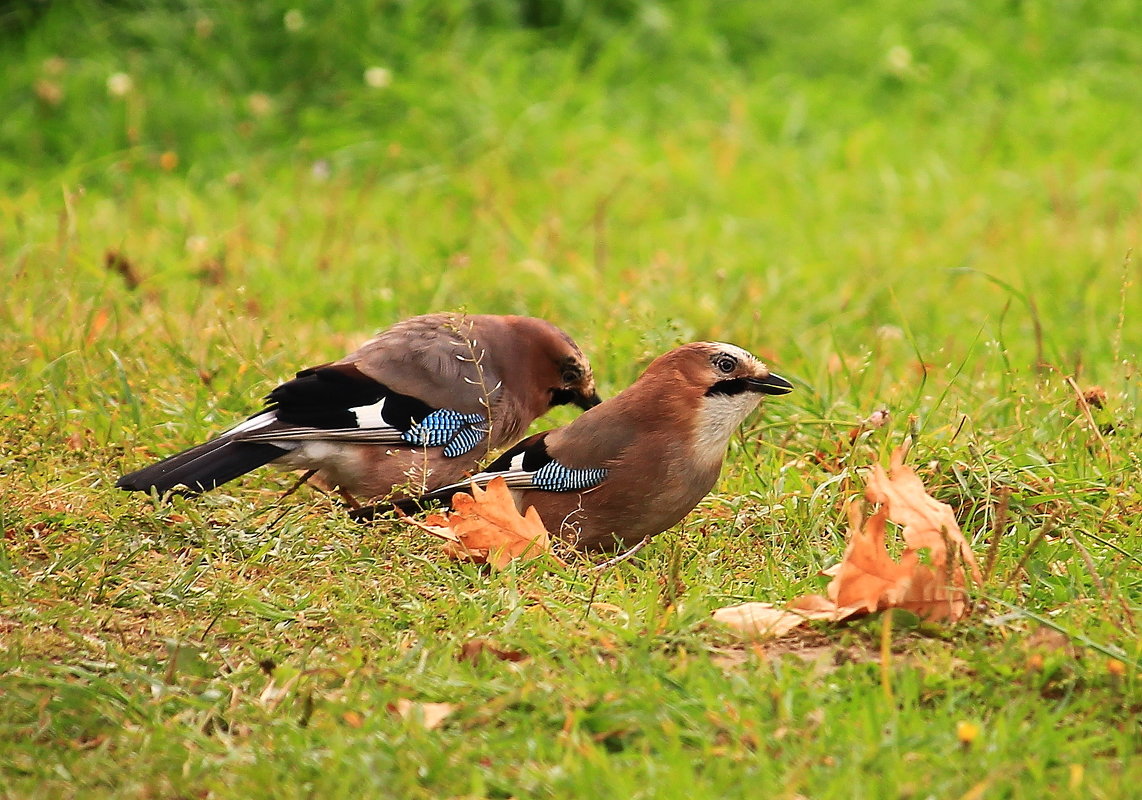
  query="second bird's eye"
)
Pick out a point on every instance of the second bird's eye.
point(725, 364)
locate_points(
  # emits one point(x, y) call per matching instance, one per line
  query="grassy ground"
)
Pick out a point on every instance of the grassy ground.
point(928, 208)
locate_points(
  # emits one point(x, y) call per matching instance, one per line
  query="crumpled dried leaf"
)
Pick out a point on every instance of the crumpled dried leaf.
point(927, 522)
point(867, 578)
point(485, 527)
point(474, 649)
point(429, 714)
point(768, 620)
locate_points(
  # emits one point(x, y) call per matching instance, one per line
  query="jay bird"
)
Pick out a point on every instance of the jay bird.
point(414, 408)
point(638, 463)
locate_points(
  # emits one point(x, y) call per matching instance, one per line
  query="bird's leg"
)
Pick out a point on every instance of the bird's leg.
point(643, 542)
point(288, 492)
point(297, 485)
point(349, 499)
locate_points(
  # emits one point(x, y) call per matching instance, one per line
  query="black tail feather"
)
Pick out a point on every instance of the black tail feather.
point(201, 468)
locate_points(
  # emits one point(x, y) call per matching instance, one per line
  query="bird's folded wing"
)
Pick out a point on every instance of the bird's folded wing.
point(529, 465)
point(440, 358)
point(339, 403)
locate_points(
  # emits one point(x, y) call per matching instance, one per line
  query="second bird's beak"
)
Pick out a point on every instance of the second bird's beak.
point(774, 384)
point(561, 397)
point(586, 401)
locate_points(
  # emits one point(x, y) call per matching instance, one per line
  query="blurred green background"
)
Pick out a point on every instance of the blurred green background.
point(714, 165)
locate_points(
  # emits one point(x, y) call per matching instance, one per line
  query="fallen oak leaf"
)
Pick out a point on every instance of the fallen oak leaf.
point(768, 620)
point(486, 527)
point(819, 607)
point(867, 579)
point(870, 580)
point(867, 576)
point(927, 522)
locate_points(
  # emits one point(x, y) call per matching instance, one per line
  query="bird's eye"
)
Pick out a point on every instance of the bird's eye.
point(726, 364)
point(571, 375)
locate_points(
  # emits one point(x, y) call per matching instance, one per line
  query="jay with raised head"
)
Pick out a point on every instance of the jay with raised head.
point(415, 408)
point(638, 463)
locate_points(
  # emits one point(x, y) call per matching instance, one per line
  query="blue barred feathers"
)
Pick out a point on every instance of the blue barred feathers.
point(554, 477)
point(457, 432)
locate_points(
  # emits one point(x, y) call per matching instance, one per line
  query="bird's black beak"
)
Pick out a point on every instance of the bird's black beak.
point(561, 397)
point(586, 401)
point(774, 384)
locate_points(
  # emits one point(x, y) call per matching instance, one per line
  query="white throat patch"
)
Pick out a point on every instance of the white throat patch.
point(718, 418)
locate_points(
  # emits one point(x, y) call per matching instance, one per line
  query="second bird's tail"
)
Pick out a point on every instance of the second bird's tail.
point(201, 468)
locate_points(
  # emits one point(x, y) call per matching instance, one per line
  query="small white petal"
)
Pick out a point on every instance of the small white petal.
point(378, 77)
point(119, 84)
point(294, 20)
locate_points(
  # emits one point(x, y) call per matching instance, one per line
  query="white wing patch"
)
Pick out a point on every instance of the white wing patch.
point(253, 423)
point(370, 416)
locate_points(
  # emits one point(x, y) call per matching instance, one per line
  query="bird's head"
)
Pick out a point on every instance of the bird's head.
point(576, 383)
point(730, 371)
point(558, 369)
point(714, 386)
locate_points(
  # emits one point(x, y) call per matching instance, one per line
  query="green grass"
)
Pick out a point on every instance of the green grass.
point(930, 208)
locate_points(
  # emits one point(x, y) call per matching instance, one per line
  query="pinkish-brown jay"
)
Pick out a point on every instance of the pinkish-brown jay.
point(415, 408)
point(636, 464)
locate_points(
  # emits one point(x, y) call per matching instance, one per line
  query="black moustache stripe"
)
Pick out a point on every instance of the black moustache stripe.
point(731, 386)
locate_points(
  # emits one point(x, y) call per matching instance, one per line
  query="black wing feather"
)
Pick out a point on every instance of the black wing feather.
point(321, 397)
point(535, 455)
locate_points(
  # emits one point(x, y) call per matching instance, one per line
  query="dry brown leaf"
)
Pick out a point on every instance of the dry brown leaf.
point(868, 579)
point(766, 619)
point(927, 522)
point(1094, 396)
point(474, 649)
point(98, 323)
point(485, 527)
point(429, 714)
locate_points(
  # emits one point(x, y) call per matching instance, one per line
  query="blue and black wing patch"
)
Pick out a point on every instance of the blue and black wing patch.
point(528, 465)
point(554, 477)
point(337, 402)
point(457, 433)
